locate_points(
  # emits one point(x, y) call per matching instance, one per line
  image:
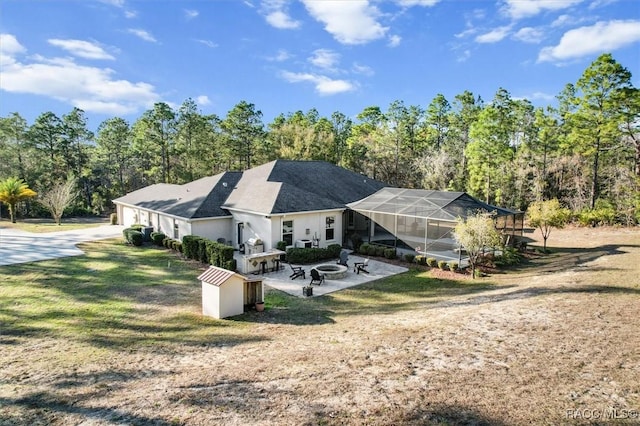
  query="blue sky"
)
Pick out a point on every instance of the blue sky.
point(117, 57)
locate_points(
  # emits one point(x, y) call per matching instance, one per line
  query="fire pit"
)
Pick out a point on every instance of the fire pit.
point(331, 271)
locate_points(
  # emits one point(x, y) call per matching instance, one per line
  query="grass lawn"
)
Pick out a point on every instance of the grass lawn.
point(48, 225)
point(116, 336)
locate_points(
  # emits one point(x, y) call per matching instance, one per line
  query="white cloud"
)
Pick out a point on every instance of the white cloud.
point(410, 3)
point(600, 37)
point(350, 22)
point(203, 100)
point(276, 14)
point(325, 58)
point(541, 96)
point(207, 43)
point(362, 69)
point(81, 48)
point(130, 14)
point(463, 56)
point(144, 35)
point(518, 9)
point(281, 56)
point(394, 40)
point(91, 88)
point(494, 36)
point(190, 13)
point(323, 84)
point(281, 20)
point(9, 45)
point(116, 3)
point(529, 35)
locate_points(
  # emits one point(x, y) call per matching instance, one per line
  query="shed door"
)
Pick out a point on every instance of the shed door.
point(252, 292)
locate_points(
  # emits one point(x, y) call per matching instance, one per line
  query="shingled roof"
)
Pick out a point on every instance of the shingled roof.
point(198, 199)
point(287, 186)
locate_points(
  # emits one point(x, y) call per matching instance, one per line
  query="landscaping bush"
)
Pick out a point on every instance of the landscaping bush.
point(442, 264)
point(334, 250)
point(372, 250)
point(509, 256)
point(137, 227)
point(421, 260)
point(113, 219)
point(602, 214)
point(364, 248)
point(157, 238)
point(309, 255)
point(190, 246)
point(131, 236)
point(409, 258)
point(380, 250)
point(281, 245)
point(390, 253)
point(432, 262)
point(136, 238)
point(176, 245)
point(453, 266)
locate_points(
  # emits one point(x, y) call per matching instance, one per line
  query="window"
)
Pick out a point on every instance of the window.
point(287, 232)
point(329, 232)
point(176, 230)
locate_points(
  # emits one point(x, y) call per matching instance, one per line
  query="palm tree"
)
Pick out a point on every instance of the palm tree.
point(12, 191)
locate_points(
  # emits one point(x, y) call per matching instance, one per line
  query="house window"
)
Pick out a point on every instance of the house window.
point(329, 232)
point(176, 230)
point(287, 232)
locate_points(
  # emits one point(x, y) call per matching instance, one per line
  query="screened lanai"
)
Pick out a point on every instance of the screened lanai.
point(423, 220)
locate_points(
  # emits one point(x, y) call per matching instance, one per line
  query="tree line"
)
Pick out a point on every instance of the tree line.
point(583, 151)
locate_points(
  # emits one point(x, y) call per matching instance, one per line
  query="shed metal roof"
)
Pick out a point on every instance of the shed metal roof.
point(217, 276)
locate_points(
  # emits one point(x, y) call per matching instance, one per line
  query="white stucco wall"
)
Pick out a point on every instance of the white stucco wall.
point(314, 223)
point(213, 228)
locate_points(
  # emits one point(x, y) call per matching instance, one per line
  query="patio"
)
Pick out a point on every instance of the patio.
point(280, 279)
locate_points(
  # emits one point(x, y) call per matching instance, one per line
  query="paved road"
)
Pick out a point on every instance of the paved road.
point(20, 247)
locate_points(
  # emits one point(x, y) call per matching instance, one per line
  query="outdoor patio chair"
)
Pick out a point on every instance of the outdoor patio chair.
point(361, 266)
point(297, 271)
point(344, 257)
point(316, 277)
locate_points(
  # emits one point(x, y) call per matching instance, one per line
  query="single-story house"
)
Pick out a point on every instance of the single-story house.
point(300, 202)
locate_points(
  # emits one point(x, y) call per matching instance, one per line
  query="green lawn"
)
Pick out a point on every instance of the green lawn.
point(122, 296)
point(48, 225)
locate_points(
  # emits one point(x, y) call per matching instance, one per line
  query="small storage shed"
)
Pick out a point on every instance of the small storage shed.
point(226, 293)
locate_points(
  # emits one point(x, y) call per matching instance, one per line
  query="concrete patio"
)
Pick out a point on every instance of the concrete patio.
point(280, 279)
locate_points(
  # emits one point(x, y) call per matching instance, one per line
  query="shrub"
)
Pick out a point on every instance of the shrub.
point(310, 255)
point(281, 245)
point(334, 250)
point(442, 264)
point(157, 238)
point(421, 260)
point(364, 248)
point(380, 250)
point(432, 262)
point(453, 266)
point(602, 214)
point(136, 238)
point(176, 245)
point(190, 246)
point(113, 219)
point(390, 253)
point(371, 250)
point(509, 256)
point(137, 227)
point(409, 258)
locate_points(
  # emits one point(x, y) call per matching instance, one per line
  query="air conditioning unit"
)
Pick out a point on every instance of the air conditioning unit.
point(303, 243)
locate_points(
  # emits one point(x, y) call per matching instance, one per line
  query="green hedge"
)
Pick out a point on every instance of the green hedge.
point(432, 262)
point(133, 236)
point(390, 253)
point(157, 238)
point(313, 254)
point(207, 251)
point(409, 258)
point(442, 264)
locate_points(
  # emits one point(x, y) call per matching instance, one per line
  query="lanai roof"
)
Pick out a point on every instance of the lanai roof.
point(422, 203)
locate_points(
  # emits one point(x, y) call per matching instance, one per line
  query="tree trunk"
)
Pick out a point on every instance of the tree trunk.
point(594, 183)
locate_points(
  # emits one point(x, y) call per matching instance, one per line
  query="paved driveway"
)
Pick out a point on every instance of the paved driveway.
point(20, 247)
